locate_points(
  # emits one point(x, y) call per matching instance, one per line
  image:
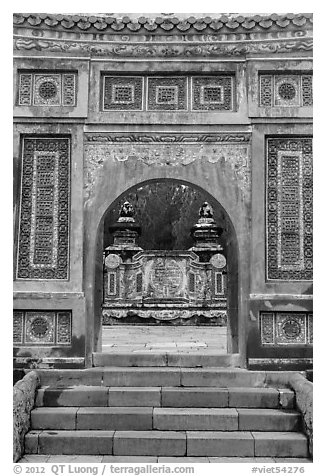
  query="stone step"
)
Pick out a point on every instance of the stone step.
point(201, 397)
point(161, 377)
point(179, 419)
point(165, 359)
point(168, 443)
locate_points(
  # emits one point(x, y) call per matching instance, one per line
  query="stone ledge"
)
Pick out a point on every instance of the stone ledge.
point(304, 401)
point(24, 397)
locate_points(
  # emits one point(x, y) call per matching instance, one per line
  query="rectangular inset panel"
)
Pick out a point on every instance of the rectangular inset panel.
point(285, 328)
point(285, 90)
point(122, 93)
point(167, 94)
point(46, 89)
point(213, 93)
point(289, 209)
point(43, 244)
point(219, 285)
point(43, 328)
point(112, 284)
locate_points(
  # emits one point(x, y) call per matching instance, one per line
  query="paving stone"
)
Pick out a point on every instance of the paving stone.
point(76, 442)
point(58, 418)
point(286, 398)
point(75, 459)
point(292, 460)
point(135, 396)
point(141, 377)
point(129, 459)
point(79, 396)
point(194, 397)
point(253, 397)
point(220, 443)
point(34, 459)
point(240, 460)
point(268, 419)
point(185, 460)
point(129, 359)
point(32, 441)
point(115, 418)
point(149, 443)
point(280, 444)
point(221, 377)
point(223, 419)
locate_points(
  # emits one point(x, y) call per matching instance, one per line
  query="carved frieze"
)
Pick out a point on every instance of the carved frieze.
point(170, 150)
point(286, 328)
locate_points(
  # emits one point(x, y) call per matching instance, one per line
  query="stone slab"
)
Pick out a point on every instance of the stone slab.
point(32, 441)
point(141, 377)
point(115, 418)
point(47, 418)
point(194, 397)
point(280, 444)
point(67, 377)
point(253, 397)
point(185, 460)
point(200, 359)
point(220, 443)
point(240, 460)
point(221, 377)
point(129, 359)
point(75, 459)
point(268, 419)
point(76, 442)
point(135, 396)
point(149, 443)
point(221, 419)
point(79, 396)
point(286, 398)
point(129, 459)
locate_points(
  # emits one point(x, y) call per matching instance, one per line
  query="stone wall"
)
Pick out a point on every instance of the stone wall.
point(24, 396)
point(304, 401)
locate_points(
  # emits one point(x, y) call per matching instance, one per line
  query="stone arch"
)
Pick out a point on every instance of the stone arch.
point(116, 179)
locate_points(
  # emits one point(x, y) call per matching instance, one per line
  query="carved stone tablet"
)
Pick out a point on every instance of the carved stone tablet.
point(218, 261)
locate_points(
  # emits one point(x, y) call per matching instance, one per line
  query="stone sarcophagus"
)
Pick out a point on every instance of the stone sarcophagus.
point(183, 287)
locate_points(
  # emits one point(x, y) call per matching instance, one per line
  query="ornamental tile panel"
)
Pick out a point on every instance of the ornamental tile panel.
point(286, 328)
point(213, 93)
point(45, 328)
point(43, 240)
point(46, 89)
point(123, 93)
point(289, 209)
point(285, 90)
point(167, 93)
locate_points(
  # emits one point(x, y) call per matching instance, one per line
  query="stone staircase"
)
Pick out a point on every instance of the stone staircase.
point(162, 409)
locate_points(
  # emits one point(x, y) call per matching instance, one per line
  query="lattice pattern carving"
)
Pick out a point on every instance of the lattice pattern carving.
point(167, 93)
point(43, 245)
point(46, 328)
point(285, 328)
point(289, 209)
point(123, 92)
point(213, 93)
point(285, 90)
point(47, 89)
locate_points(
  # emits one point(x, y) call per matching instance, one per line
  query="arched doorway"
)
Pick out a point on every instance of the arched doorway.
point(166, 210)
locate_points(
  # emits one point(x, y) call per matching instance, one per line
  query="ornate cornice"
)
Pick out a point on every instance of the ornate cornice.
point(163, 50)
point(226, 23)
point(167, 138)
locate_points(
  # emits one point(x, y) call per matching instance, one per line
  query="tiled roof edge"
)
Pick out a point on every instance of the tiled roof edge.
point(164, 24)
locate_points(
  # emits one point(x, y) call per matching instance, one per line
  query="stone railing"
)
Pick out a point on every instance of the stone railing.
point(304, 401)
point(24, 397)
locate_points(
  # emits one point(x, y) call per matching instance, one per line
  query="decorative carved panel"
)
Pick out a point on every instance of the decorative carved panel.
point(167, 93)
point(43, 242)
point(46, 89)
point(289, 208)
point(123, 93)
point(286, 328)
point(213, 93)
point(286, 90)
point(46, 328)
point(165, 285)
